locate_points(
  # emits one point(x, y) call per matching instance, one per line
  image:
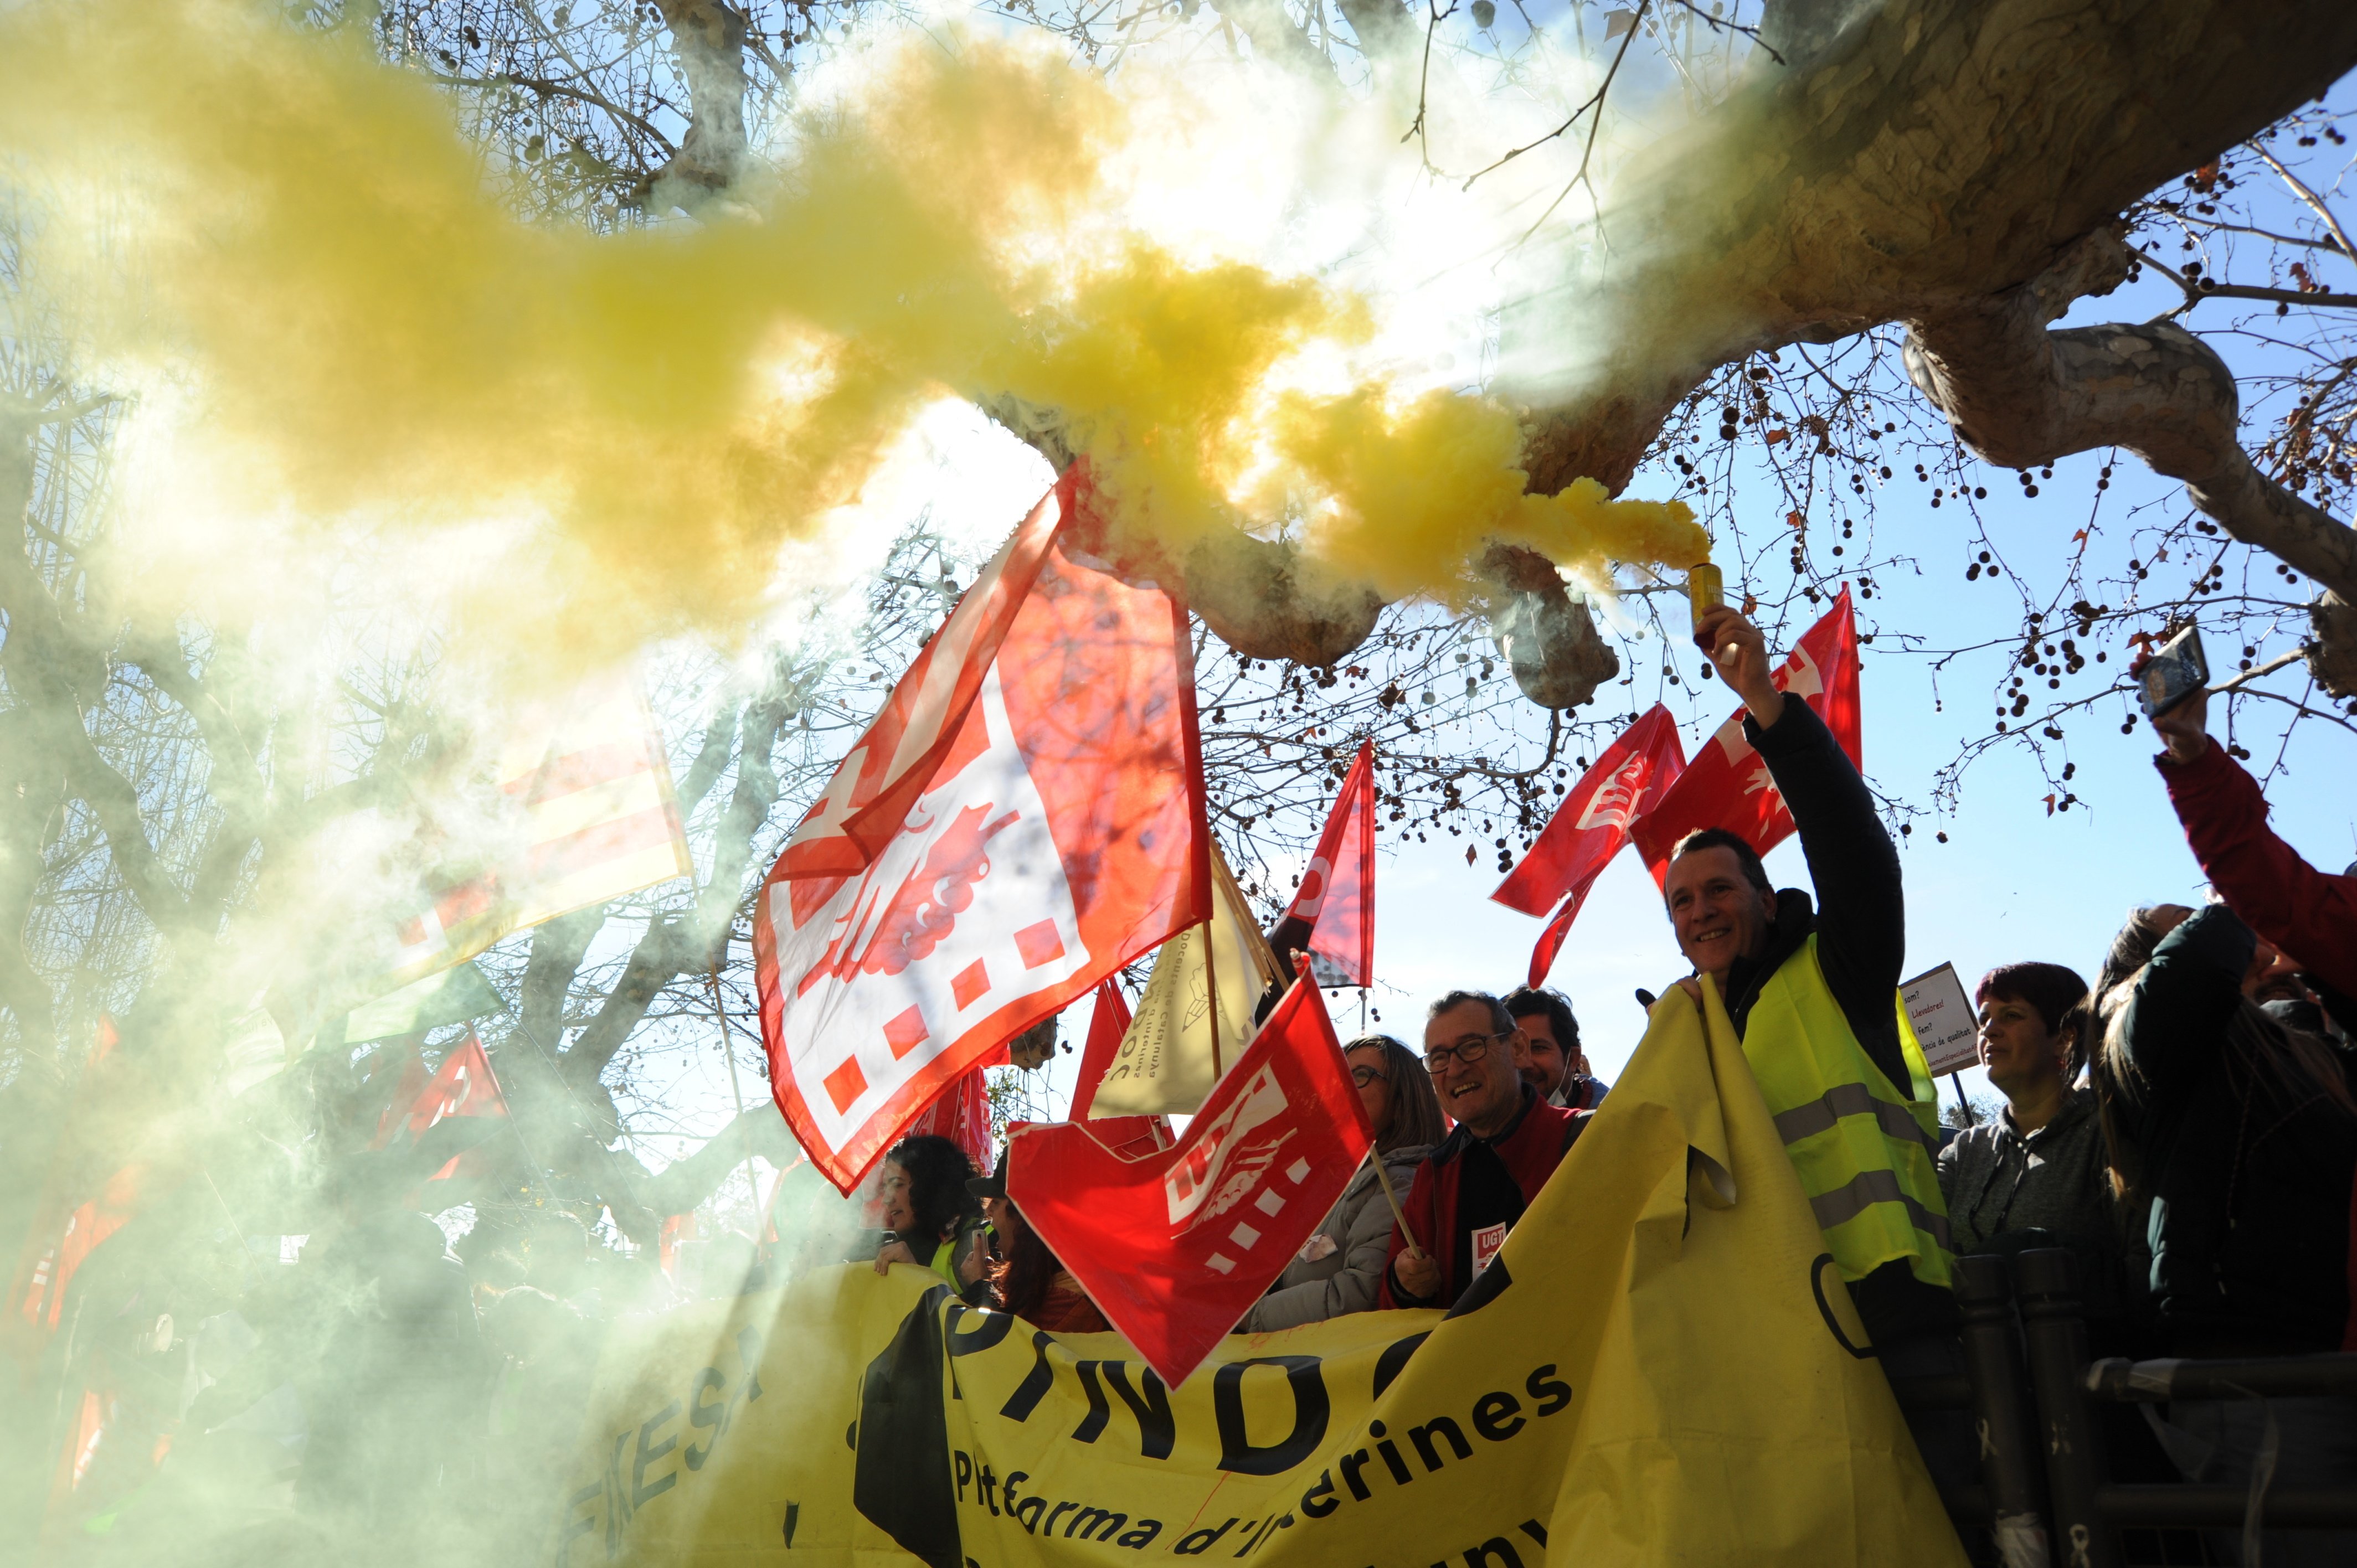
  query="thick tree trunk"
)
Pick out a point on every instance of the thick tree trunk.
point(1921, 159)
point(1960, 166)
point(708, 40)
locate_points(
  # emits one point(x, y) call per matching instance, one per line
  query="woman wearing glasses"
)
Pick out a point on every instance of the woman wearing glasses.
point(1342, 1266)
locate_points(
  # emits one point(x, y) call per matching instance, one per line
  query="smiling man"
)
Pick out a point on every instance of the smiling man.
point(1471, 1190)
point(1555, 1064)
point(1813, 990)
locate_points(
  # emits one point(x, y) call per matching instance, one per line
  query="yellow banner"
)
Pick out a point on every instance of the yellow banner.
point(1650, 1373)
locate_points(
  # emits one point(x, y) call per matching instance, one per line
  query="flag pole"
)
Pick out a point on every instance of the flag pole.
point(1398, 1213)
point(728, 1052)
point(1212, 991)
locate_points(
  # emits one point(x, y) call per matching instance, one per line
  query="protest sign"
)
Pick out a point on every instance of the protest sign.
point(1942, 1017)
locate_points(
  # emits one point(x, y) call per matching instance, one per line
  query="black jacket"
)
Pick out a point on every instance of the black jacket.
point(1860, 918)
point(1861, 929)
point(2249, 1173)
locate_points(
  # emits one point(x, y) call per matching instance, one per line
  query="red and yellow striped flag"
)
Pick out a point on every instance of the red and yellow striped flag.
point(587, 813)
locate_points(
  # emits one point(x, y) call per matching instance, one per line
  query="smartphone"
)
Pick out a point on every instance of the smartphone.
point(2175, 671)
point(1705, 591)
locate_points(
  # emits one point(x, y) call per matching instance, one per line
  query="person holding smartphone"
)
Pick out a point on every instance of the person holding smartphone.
point(2309, 914)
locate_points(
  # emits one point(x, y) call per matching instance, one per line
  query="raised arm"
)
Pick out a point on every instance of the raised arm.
point(1861, 904)
point(2310, 914)
point(2179, 1012)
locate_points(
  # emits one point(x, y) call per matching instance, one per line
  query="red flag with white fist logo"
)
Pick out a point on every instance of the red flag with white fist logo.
point(1024, 818)
point(1727, 784)
point(1175, 1248)
point(1590, 827)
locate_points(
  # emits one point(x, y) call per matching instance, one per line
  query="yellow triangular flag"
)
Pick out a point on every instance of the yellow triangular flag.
point(1196, 1016)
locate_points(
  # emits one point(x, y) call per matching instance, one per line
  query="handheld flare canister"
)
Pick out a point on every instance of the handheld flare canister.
point(1705, 591)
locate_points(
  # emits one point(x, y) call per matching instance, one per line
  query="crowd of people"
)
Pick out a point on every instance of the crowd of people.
point(2185, 1126)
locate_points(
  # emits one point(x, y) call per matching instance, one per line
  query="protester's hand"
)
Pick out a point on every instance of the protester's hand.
point(2185, 728)
point(1740, 653)
point(1418, 1274)
point(1693, 988)
point(891, 1252)
point(2270, 964)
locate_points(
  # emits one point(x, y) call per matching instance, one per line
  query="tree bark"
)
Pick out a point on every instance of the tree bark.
point(2020, 395)
point(707, 40)
point(1923, 157)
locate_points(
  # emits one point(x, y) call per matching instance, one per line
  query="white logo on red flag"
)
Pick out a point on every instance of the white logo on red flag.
point(1174, 1249)
point(1588, 828)
point(1223, 1159)
point(463, 1085)
point(1615, 804)
point(1592, 820)
point(1729, 785)
point(1034, 846)
point(905, 744)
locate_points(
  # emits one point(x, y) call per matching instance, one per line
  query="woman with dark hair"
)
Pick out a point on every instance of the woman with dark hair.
point(2035, 1174)
point(1030, 1280)
point(934, 1220)
point(1340, 1268)
point(2242, 1138)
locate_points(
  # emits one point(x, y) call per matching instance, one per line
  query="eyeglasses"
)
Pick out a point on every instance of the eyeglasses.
point(1364, 1075)
point(1466, 1052)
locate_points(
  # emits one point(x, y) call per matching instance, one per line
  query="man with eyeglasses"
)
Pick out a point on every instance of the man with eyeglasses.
point(1470, 1190)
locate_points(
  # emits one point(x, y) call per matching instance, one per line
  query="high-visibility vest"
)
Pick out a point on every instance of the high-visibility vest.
point(944, 1259)
point(1865, 1152)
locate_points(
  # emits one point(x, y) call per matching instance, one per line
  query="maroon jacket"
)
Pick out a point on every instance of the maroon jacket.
point(2310, 914)
point(1533, 1144)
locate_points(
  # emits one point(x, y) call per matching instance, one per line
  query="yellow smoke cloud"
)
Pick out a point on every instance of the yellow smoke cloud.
point(288, 244)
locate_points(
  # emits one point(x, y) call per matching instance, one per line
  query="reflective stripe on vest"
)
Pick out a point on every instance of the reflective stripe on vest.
point(1866, 1151)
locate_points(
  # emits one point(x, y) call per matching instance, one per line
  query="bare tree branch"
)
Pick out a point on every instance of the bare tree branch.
point(1274, 37)
point(2021, 395)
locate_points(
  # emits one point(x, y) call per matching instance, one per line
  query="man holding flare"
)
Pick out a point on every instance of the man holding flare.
point(1812, 990)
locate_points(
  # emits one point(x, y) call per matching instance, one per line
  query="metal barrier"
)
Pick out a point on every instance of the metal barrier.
point(2045, 1492)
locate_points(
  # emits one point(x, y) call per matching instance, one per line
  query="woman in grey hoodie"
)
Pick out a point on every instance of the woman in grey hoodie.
point(2035, 1176)
point(1339, 1267)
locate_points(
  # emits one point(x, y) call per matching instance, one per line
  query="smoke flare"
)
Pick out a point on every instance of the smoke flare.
point(283, 246)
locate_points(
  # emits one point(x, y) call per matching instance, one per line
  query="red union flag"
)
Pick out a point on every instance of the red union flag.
point(463, 1085)
point(1108, 1022)
point(1333, 913)
point(1727, 785)
point(1175, 1248)
point(1024, 817)
point(962, 1114)
point(585, 813)
point(1590, 827)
